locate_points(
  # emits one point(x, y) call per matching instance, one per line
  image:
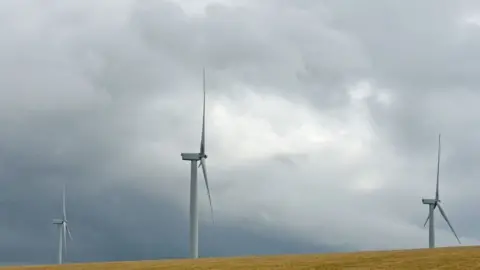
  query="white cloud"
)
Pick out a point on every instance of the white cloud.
point(261, 126)
point(196, 8)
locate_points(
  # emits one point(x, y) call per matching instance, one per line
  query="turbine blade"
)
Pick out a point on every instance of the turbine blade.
point(69, 233)
point(428, 217)
point(448, 222)
point(426, 221)
point(204, 169)
point(202, 141)
point(63, 204)
point(438, 168)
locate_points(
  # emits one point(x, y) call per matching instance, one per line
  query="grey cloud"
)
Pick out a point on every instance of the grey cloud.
point(107, 100)
point(278, 55)
point(67, 117)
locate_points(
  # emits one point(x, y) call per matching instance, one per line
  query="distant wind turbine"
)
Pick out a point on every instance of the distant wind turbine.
point(434, 203)
point(62, 224)
point(194, 158)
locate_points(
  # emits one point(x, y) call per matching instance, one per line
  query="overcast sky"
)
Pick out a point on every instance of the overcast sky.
point(322, 125)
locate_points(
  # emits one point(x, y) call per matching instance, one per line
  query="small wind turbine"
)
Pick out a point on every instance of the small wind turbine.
point(194, 158)
point(434, 203)
point(62, 224)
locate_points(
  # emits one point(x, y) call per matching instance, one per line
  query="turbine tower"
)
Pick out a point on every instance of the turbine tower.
point(194, 158)
point(434, 203)
point(62, 225)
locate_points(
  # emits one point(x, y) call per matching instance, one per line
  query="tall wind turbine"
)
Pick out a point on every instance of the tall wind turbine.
point(201, 157)
point(62, 225)
point(434, 203)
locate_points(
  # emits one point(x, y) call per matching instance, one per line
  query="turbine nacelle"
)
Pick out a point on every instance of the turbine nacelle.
point(58, 221)
point(430, 201)
point(193, 156)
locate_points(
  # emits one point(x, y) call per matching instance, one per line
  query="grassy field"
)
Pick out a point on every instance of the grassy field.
point(464, 258)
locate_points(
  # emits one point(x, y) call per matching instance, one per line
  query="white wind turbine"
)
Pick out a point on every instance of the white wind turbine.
point(434, 203)
point(194, 158)
point(62, 224)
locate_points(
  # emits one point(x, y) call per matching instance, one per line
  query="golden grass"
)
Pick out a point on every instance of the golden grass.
point(464, 258)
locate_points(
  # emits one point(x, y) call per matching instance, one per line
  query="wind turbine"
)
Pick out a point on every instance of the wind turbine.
point(434, 203)
point(201, 157)
point(62, 224)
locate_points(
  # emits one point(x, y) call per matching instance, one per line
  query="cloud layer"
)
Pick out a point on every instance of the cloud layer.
point(322, 118)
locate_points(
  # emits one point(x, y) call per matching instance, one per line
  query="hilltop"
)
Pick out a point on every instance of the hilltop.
point(439, 258)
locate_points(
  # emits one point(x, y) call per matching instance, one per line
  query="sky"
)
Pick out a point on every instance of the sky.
point(321, 134)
